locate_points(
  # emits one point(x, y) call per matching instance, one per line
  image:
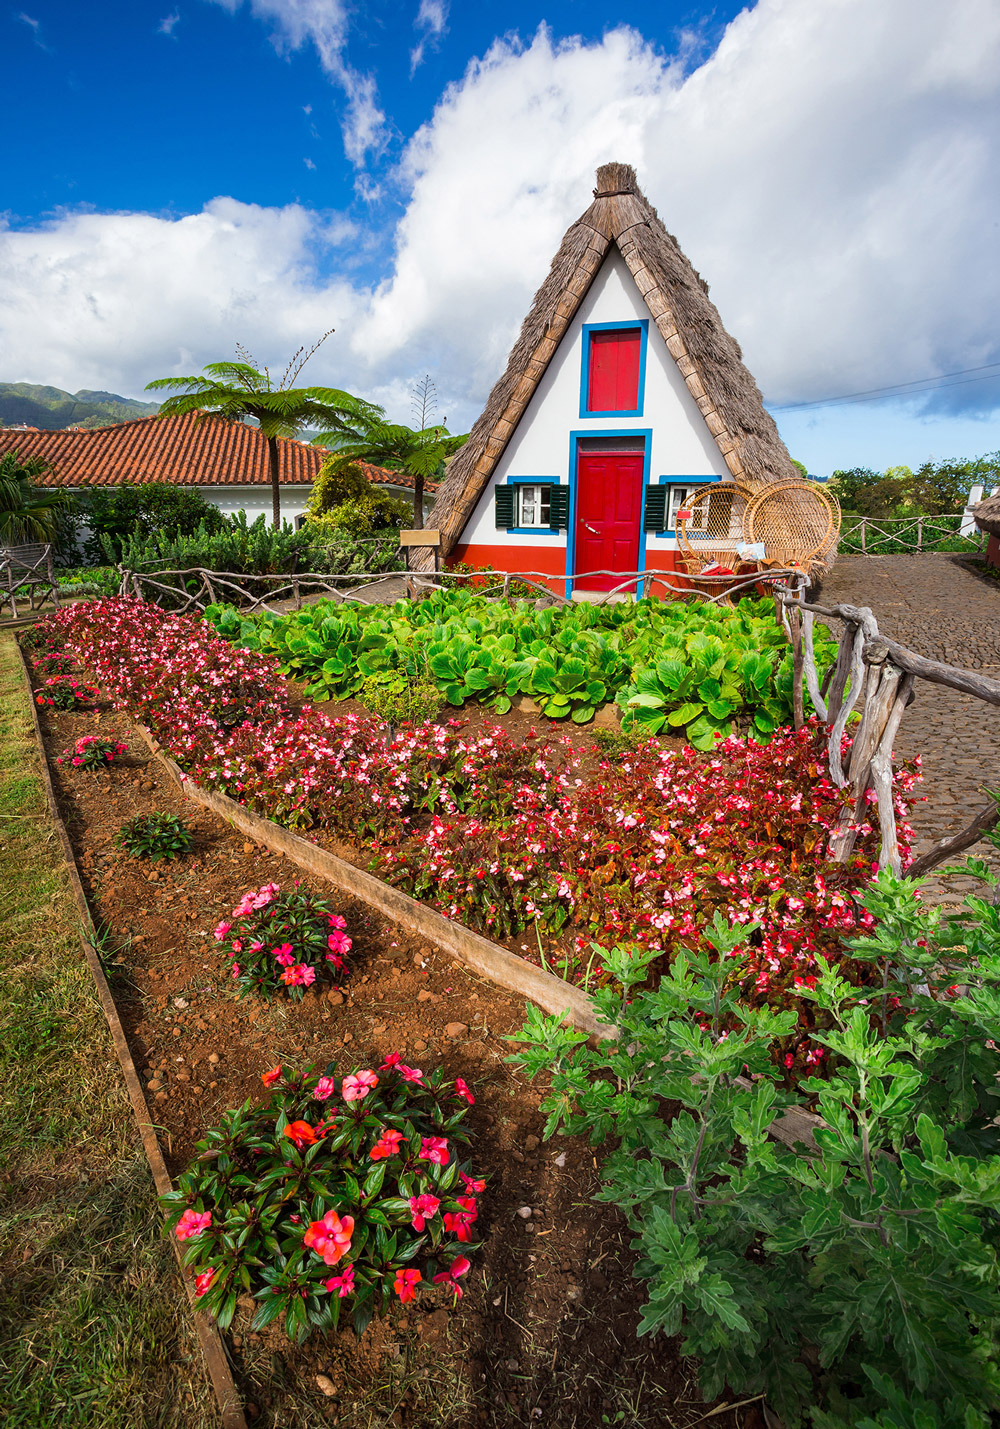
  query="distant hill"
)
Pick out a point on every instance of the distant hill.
point(52, 409)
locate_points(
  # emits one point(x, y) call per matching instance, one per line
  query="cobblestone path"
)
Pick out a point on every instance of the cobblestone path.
point(938, 608)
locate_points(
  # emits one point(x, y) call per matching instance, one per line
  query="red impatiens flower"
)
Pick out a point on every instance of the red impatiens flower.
point(330, 1237)
point(406, 1283)
point(192, 1223)
point(343, 1283)
point(423, 1209)
point(462, 1090)
point(434, 1148)
point(471, 1185)
point(459, 1266)
point(301, 1133)
point(459, 1223)
point(203, 1282)
point(387, 1145)
point(269, 1078)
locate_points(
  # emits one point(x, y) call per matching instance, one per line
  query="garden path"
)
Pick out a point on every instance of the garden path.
point(937, 606)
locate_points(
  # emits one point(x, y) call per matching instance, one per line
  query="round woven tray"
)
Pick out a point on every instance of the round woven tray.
point(797, 523)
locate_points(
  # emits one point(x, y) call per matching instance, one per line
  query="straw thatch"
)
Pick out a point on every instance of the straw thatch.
point(987, 514)
point(707, 357)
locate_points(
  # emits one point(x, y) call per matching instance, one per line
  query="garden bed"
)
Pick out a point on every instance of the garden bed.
point(551, 1304)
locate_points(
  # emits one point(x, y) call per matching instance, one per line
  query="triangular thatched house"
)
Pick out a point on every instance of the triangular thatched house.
point(987, 517)
point(623, 392)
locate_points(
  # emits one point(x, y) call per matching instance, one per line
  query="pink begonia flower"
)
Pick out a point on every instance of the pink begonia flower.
point(434, 1148)
point(387, 1145)
point(422, 1209)
point(358, 1085)
point(330, 1237)
point(192, 1223)
point(462, 1090)
point(284, 955)
point(459, 1266)
point(203, 1282)
point(222, 930)
point(470, 1184)
point(325, 1088)
point(406, 1283)
point(343, 1283)
point(459, 1223)
point(269, 1078)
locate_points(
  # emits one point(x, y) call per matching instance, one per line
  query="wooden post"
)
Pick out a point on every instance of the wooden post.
point(864, 524)
point(798, 704)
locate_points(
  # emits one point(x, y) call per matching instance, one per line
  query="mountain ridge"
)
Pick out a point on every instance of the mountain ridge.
point(50, 408)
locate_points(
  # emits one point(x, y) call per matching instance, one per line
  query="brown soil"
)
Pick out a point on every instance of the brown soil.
point(546, 1331)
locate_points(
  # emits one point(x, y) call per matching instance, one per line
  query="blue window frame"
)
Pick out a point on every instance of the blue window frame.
point(643, 325)
point(677, 484)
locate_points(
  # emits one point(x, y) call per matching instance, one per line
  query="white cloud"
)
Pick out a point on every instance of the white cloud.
point(325, 24)
point(167, 24)
point(309, 163)
point(432, 19)
point(831, 170)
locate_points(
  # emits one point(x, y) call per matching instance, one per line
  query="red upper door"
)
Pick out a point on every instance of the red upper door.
point(608, 512)
point(613, 379)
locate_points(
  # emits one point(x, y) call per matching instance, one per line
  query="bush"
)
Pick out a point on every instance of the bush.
point(63, 692)
point(418, 700)
point(285, 942)
point(54, 662)
point(365, 1186)
point(862, 1276)
point(93, 752)
point(156, 836)
point(363, 516)
point(117, 516)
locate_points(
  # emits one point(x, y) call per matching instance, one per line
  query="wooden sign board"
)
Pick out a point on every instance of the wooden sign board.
point(420, 538)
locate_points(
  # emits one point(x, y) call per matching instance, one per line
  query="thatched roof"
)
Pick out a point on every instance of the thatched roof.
point(987, 514)
point(707, 357)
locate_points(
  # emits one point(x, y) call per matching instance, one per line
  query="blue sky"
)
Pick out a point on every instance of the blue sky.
point(193, 174)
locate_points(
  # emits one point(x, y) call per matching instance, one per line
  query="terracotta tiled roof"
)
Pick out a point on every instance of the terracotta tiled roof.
point(181, 451)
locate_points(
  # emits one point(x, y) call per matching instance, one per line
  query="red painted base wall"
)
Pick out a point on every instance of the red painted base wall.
point(993, 551)
point(549, 564)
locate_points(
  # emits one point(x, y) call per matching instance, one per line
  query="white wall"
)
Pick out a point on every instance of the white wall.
point(256, 500)
point(681, 443)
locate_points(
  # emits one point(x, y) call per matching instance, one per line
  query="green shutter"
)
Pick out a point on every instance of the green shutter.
point(559, 508)
point(655, 514)
point(504, 498)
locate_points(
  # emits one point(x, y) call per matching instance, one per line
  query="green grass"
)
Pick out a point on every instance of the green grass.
point(94, 1324)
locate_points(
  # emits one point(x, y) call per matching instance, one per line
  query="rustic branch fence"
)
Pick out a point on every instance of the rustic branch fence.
point(28, 569)
point(879, 676)
point(892, 535)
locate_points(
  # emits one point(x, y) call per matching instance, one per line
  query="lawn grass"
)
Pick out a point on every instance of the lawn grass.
point(94, 1324)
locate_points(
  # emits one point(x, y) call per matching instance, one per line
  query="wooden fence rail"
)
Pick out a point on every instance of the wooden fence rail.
point(879, 675)
point(865, 534)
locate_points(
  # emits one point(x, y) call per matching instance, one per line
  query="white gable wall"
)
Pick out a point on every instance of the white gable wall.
point(681, 443)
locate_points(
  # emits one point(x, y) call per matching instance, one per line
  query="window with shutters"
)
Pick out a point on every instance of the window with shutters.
point(614, 361)
point(531, 506)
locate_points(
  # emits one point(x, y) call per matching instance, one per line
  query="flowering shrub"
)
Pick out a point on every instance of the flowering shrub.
point(283, 941)
point(156, 836)
point(55, 662)
point(336, 1190)
point(93, 751)
point(40, 636)
point(62, 692)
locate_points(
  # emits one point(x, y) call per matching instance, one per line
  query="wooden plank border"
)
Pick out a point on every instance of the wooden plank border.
point(213, 1350)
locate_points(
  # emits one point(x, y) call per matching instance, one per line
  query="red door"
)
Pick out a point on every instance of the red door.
point(608, 510)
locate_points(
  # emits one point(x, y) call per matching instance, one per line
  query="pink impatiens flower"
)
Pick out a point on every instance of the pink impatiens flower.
point(222, 930)
point(203, 1282)
point(330, 1237)
point(423, 1209)
point(325, 1088)
point(358, 1085)
point(459, 1266)
point(192, 1223)
point(343, 1283)
point(406, 1284)
point(284, 955)
point(459, 1223)
point(462, 1090)
point(434, 1148)
point(470, 1184)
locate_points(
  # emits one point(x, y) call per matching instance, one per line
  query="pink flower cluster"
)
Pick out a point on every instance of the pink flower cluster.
point(276, 939)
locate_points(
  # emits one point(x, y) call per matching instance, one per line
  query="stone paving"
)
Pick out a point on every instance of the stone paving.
point(941, 609)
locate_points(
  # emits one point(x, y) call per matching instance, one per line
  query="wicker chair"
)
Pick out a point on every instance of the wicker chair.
point(796, 522)
point(710, 529)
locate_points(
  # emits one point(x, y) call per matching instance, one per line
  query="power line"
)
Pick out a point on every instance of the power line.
point(873, 394)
